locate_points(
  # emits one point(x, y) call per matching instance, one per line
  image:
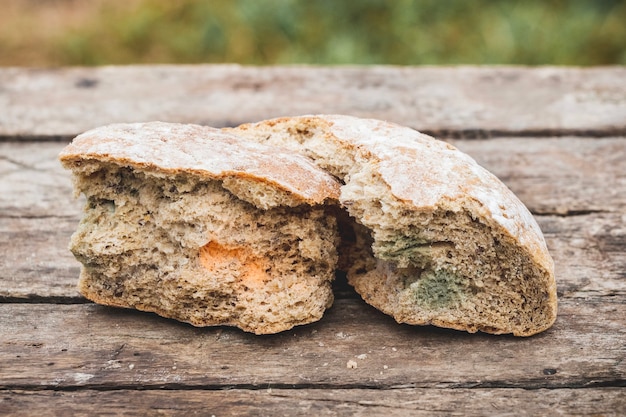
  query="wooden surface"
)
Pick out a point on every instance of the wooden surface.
point(468, 101)
point(555, 136)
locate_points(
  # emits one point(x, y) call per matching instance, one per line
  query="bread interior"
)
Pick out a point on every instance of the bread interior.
point(189, 248)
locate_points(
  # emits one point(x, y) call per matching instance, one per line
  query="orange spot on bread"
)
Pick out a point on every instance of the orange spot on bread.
point(252, 270)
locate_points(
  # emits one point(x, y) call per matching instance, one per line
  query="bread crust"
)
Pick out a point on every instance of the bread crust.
point(172, 148)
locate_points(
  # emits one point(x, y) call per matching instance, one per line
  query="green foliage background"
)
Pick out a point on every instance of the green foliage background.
point(402, 32)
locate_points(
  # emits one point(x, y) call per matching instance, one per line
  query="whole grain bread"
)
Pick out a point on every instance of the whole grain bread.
point(245, 226)
point(198, 225)
point(432, 237)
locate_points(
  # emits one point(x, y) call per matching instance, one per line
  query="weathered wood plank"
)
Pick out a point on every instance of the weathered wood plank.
point(88, 346)
point(589, 252)
point(313, 402)
point(33, 183)
point(557, 175)
point(35, 259)
point(53, 103)
point(564, 175)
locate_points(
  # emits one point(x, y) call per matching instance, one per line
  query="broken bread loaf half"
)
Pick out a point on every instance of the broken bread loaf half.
point(434, 238)
point(195, 224)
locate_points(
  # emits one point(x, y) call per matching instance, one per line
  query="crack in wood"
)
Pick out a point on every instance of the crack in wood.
point(482, 134)
point(569, 213)
point(525, 385)
point(17, 163)
point(40, 216)
point(27, 216)
point(42, 299)
point(24, 138)
point(464, 134)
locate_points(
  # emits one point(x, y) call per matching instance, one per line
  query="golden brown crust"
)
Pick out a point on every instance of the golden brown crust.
point(173, 148)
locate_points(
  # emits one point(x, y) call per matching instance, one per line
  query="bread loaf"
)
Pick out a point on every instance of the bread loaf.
point(434, 237)
point(245, 226)
point(195, 224)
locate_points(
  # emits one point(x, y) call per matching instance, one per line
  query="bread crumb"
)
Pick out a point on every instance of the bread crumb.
point(351, 364)
point(321, 344)
point(362, 356)
point(131, 366)
point(394, 349)
point(385, 367)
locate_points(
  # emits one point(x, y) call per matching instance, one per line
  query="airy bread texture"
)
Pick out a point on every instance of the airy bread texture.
point(192, 223)
point(435, 238)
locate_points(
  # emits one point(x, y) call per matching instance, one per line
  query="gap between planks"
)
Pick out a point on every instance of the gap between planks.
point(447, 134)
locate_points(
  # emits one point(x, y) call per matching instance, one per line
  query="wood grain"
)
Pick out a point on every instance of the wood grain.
point(565, 175)
point(319, 402)
point(33, 183)
point(474, 101)
point(36, 261)
point(89, 346)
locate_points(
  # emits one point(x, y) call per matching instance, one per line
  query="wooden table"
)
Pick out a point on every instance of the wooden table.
point(555, 136)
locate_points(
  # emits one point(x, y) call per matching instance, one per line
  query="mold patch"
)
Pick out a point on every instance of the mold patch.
point(438, 289)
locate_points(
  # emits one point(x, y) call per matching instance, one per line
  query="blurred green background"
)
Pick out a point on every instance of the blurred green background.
point(267, 32)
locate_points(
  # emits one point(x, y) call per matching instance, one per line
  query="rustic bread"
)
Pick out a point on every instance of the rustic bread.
point(433, 237)
point(192, 223)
